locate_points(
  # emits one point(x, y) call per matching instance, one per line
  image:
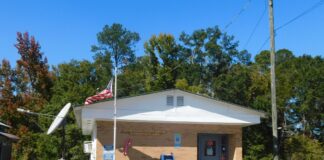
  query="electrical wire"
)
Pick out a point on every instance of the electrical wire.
point(316, 5)
point(246, 5)
point(256, 25)
point(234, 18)
point(263, 44)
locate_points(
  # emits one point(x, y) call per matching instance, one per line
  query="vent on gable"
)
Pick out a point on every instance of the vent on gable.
point(180, 101)
point(169, 100)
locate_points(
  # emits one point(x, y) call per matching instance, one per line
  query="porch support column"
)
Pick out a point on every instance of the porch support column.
point(235, 145)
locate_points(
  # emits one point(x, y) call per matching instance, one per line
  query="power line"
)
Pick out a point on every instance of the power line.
point(263, 44)
point(316, 5)
point(245, 6)
point(234, 18)
point(256, 25)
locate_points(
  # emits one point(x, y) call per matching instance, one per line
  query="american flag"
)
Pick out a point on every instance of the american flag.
point(106, 93)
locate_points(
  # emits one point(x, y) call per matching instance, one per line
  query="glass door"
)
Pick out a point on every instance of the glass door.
point(212, 147)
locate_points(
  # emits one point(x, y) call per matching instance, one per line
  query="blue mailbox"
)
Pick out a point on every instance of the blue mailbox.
point(167, 157)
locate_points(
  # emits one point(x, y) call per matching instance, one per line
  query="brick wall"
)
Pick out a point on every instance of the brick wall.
point(149, 140)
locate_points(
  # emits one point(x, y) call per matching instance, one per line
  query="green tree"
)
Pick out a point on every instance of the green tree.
point(166, 48)
point(210, 53)
point(234, 85)
point(182, 84)
point(196, 55)
point(303, 148)
point(75, 81)
point(102, 68)
point(152, 64)
point(304, 98)
point(117, 41)
point(132, 79)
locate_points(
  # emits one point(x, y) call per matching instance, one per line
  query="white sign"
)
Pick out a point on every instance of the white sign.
point(177, 140)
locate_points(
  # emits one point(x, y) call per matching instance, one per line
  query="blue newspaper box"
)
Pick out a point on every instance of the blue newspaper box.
point(166, 157)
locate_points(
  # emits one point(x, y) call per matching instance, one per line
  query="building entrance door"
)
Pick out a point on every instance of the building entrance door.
point(212, 146)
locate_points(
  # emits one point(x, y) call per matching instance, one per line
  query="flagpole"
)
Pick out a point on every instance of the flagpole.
point(115, 113)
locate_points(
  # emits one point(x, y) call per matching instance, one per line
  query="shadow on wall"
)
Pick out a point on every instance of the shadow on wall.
point(134, 154)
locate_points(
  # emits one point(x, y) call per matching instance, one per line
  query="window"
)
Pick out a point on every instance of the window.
point(180, 101)
point(169, 100)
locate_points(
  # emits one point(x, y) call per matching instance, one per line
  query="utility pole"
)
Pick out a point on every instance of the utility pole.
point(273, 83)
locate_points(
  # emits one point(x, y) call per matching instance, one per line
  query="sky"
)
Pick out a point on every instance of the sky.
point(66, 29)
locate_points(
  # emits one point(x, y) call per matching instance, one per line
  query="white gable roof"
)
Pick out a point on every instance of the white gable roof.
point(153, 108)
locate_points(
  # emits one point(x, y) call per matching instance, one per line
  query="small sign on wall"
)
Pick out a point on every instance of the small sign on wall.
point(177, 140)
point(108, 152)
